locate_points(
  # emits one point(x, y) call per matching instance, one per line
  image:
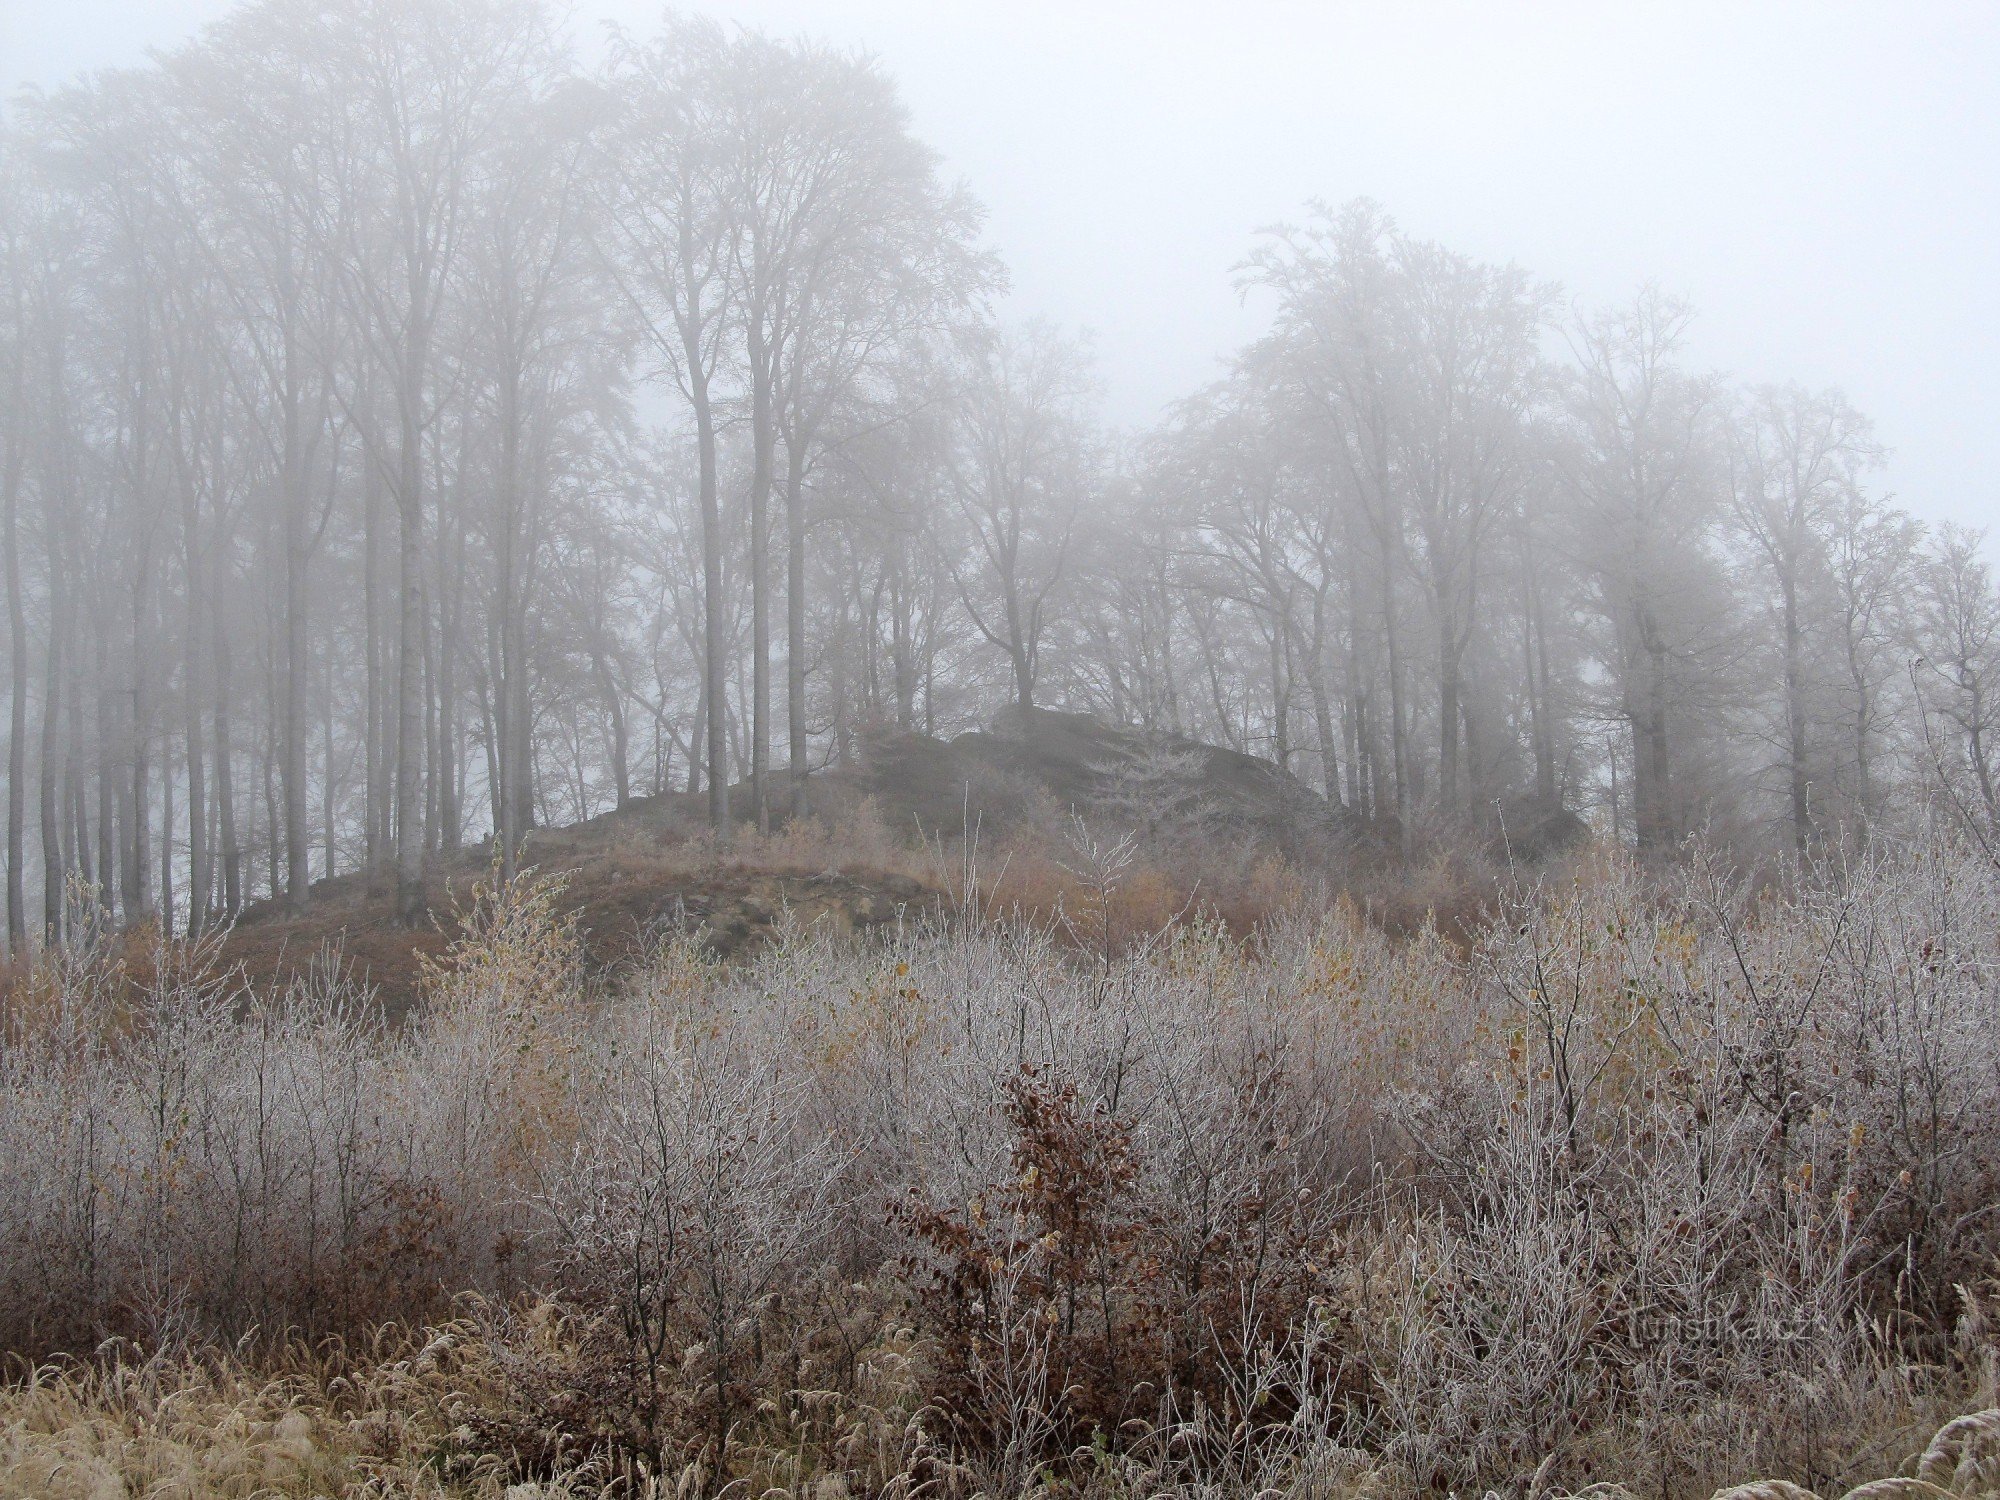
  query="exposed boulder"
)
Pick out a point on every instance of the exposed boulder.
point(1160, 785)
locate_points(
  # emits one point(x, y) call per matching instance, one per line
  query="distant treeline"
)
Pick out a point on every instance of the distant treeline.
point(408, 435)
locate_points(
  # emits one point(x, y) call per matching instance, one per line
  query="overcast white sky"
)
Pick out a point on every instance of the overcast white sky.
point(1822, 180)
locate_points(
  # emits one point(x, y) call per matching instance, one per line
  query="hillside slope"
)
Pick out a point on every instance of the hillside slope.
point(650, 864)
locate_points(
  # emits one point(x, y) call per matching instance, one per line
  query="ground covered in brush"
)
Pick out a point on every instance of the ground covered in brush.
point(1656, 1179)
point(1223, 832)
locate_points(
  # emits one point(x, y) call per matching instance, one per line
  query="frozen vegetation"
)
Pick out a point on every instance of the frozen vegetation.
point(1658, 1179)
point(1424, 925)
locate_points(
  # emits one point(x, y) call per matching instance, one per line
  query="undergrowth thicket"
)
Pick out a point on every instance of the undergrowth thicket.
point(1646, 1177)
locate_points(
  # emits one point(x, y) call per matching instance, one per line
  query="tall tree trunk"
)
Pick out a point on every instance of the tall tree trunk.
point(1398, 732)
point(1329, 740)
point(54, 870)
point(192, 653)
point(697, 735)
point(1864, 710)
point(166, 838)
point(228, 843)
point(375, 770)
point(1975, 741)
point(292, 772)
point(327, 808)
point(17, 714)
point(199, 873)
point(795, 622)
point(715, 661)
point(76, 802)
point(1795, 719)
point(505, 637)
point(1449, 689)
point(410, 705)
point(109, 792)
point(138, 827)
point(433, 729)
point(1281, 695)
point(614, 710)
point(1541, 708)
point(763, 437)
point(451, 765)
point(1646, 707)
point(274, 817)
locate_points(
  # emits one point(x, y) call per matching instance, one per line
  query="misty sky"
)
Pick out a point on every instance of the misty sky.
point(1821, 180)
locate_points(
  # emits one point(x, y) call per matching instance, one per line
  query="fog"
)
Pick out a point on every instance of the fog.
point(433, 420)
point(921, 752)
point(1816, 179)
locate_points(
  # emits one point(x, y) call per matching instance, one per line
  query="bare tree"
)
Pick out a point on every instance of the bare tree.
point(1797, 462)
point(1959, 635)
point(14, 440)
point(1641, 471)
point(424, 89)
point(1021, 467)
point(669, 245)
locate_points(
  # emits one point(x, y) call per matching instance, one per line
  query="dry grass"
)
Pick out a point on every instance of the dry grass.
point(1663, 1179)
point(301, 1422)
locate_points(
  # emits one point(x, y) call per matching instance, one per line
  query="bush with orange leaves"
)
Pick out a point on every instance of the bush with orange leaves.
point(1069, 1302)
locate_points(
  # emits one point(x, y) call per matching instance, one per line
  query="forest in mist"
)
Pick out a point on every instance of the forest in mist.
point(410, 436)
point(645, 859)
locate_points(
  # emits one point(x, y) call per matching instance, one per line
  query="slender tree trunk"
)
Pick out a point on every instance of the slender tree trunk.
point(75, 800)
point(327, 800)
point(1281, 696)
point(410, 665)
point(17, 716)
point(109, 840)
point(1449, 689)
point(229, 846)
point(1652, 782)
point(1864, 710)
point(199, 875)
point(54, 870)
point(451, 766)
point(274, 817)
point(795, 623)
point(1795, 719)
point(193, 652)
point(1360, 790)
point(762, 456)
point(715, 664)
point(489, 722)
point(292, 771)
point(1537, 666)
point(1617, 826)
point(433, 727)
point(521, 771)
point(614, 710)
point(1321, 689)
point(1665, 821)
point(1398, 735)
point(1975, 741)
point(139, 856)
point(697, 735)
point(166, 838)
point(375, 770)
point(1329, 741)
point(504, 636)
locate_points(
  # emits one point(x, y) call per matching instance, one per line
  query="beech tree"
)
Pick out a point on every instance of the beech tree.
point(410, 435)
point(1797, 463)
point(1021, 469)
point(1642, 470)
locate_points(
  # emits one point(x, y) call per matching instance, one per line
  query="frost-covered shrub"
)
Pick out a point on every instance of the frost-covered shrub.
point(1655, 1174)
